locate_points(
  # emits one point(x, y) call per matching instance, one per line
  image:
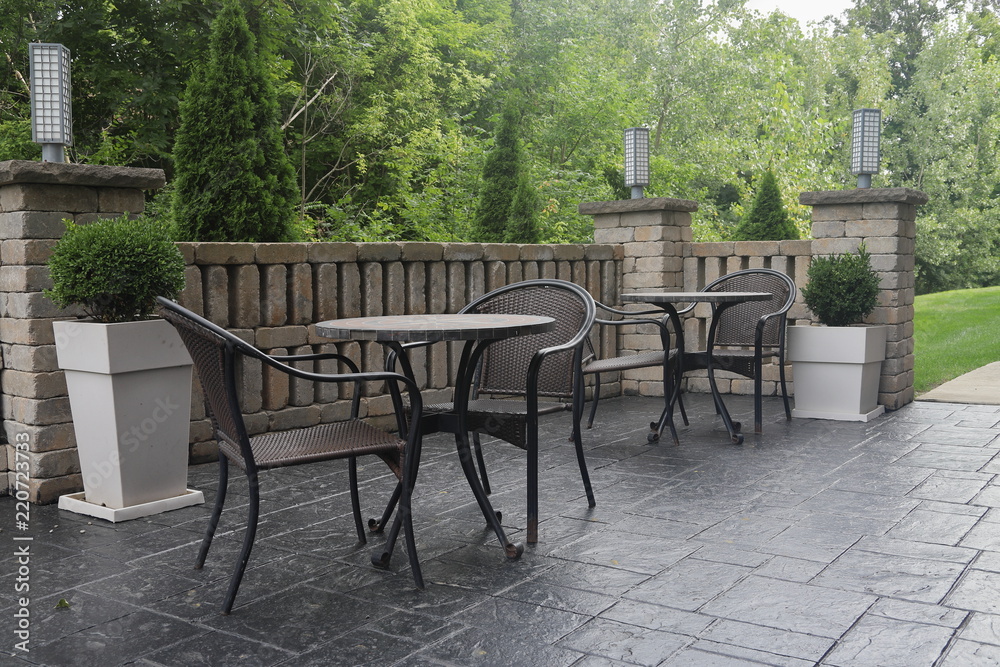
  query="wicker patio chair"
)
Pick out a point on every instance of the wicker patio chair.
point(215, 352)
point(758, 327)
point(514, 373)
point(665, 357)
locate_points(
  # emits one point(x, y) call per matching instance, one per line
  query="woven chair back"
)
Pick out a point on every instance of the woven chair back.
point(737, 326)
point(213, 354)
point(505, 363)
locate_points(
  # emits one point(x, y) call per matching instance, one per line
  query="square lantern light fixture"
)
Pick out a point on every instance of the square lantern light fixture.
point(636, 160)
point(51, 101)
point(865, 145)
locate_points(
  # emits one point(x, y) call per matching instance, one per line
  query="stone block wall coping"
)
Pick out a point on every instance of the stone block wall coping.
point(638, 205)
point(864, 196)
point(224, 253)
point(92, 175)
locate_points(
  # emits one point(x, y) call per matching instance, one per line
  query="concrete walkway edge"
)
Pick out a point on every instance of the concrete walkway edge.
point(981, 387)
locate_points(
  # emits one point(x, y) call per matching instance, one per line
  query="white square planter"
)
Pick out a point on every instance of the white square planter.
point(130, 394)
point(836, 371)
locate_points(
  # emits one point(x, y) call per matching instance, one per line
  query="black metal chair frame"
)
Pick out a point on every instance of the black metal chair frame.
point(515, 421)
point(216, 353)
point(765, 334)
point(665, 358)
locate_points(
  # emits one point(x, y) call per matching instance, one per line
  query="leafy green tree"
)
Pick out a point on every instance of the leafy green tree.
point(767, 220)
point(234, 181)
point(130, 61)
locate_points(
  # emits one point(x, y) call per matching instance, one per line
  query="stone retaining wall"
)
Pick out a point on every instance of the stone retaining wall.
point(659, 255)
point(270, 293)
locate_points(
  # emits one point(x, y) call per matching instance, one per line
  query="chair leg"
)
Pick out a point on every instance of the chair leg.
point(784, 388)
point(352, 467)
point(481, 462)
point(213, 522)
point(597, 397)
point(758, 421)
point(578, 402)
point(532, 484)
point(377, 526)
point(680, 404)
point(253, 512)
point(577, 441)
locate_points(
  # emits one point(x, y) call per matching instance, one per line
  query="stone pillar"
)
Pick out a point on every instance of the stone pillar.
point(885, 221)
point(653, 233)
point(35, 198)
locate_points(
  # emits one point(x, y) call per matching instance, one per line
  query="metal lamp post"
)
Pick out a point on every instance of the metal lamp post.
point(865, 145)
point(51, 101)
point(636, 160)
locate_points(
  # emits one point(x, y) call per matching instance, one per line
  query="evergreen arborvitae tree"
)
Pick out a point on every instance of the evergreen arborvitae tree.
point(233, 181)
point(522, 223)
point(507, 211)
point(767, 220)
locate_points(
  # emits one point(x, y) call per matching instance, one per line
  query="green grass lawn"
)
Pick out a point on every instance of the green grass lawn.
point(954, 333)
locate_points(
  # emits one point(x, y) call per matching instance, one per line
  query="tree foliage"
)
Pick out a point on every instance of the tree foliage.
point(507, 211)
point(233, 182)
point(767, 219)
point(389, 107)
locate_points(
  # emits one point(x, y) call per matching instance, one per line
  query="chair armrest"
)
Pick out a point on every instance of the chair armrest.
point(286, 358)
point(687, 309)
point(367, 376)
point(762, 322)
point(628, 313)
point(390, 357)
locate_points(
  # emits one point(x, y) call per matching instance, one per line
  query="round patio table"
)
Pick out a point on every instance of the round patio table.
point(477, 330)
point(720, 301)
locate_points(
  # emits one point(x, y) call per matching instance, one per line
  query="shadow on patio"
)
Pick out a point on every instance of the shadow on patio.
point(819, 542)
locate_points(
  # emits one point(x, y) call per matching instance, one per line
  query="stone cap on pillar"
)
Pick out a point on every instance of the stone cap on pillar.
point(91, 175)
point(638, 205)
point(864, 196)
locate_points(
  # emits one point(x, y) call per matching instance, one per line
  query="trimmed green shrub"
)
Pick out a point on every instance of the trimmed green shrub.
point(842, 289)
point(115, 268)
point(233, 180)
point(767, 220)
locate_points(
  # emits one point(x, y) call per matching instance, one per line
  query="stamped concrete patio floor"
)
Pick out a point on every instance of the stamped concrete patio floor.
point(819, 543)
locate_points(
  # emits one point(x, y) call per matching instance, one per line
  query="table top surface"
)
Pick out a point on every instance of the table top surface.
point(695, 297)
point(430, 328)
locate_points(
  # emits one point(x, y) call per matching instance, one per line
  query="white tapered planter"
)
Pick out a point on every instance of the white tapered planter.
point(836, 371)
point(130, 394)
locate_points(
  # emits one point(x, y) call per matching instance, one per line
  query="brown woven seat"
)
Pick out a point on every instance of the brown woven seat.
point(756, 326)
point(320, 443)
point(215, 352)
